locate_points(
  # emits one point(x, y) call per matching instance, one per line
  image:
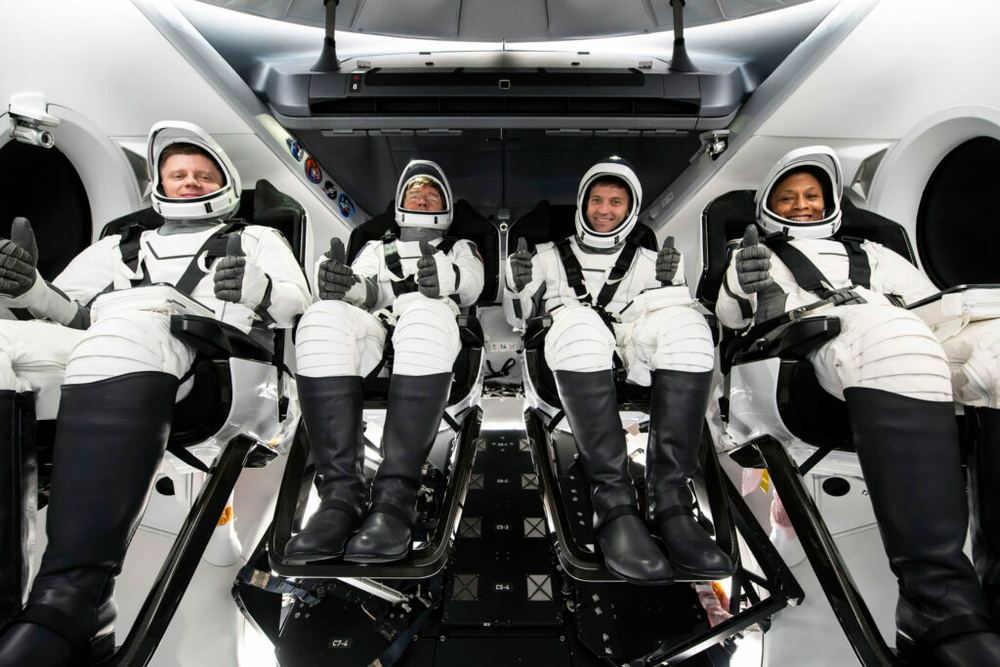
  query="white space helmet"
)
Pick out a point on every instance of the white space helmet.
point(427, 219)
point(822, 163)
point(619, 168)
point(219, 204)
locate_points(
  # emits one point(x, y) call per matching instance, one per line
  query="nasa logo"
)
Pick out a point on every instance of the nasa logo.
point(346, 206)
point(331, 190)
point(294, 148)
point(313, 172)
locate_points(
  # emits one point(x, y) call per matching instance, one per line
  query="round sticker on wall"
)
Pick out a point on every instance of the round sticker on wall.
point(294, 148)
point(346, 205)
point(313, 172)
point(330, 189)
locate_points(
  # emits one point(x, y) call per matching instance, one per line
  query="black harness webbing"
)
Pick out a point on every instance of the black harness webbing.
point(214, 246)
point(574, 271)
point(392, 262)
point(811, 278)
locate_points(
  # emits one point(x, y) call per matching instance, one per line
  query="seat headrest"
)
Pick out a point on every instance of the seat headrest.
point(263, 205)
point(466, 224)
point(725, 220)
point(550, 223)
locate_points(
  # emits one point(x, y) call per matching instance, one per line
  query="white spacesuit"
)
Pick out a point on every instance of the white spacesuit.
point(891, 370)
point(607, 294)
point(124, 373)
point(416, 284)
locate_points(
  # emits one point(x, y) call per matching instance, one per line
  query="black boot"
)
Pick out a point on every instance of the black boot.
point(591, 407)
point(331, 408)
point(908, 449)
point(110, 437)
point(416, 404)
point(19, 494)
point(984, 497)
point(676, 416)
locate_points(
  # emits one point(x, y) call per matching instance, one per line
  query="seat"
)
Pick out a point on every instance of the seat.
point(566, 493)
point(804, 416)
point(452, 455)
point(218, 429)
point(780, 418)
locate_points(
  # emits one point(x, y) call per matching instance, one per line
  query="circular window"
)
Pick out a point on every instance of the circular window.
point(958, 223)
point(42, 185)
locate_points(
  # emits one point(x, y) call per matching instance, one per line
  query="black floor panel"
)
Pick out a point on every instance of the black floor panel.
point(502, 568)
point(504, 599)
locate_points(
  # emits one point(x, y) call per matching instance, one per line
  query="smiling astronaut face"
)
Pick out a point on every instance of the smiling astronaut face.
point(798, 198)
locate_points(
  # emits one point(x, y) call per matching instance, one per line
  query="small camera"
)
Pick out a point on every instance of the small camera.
point(29, 118)
point(32, 135)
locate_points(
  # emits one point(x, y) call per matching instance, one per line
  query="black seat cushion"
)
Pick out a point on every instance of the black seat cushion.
point(726, 218)
point(466, 224)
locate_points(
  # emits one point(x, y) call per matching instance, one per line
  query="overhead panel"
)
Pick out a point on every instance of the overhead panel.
point(510, 20)
point(435, 19)
point(482, 20)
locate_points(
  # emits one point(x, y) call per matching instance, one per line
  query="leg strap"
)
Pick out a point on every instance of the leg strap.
point(342, 505)
point(615, 512)
point(671, 512)
point(58, 622)
point(955, 626)
point(393, 510)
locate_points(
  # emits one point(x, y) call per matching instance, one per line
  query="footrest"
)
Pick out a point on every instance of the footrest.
point(567, 504)
point(419, 564)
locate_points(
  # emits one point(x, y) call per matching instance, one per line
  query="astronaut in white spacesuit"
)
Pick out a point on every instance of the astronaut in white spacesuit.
point(891, 370)
point(606, 293)
point(418, 282)
point(124, 373)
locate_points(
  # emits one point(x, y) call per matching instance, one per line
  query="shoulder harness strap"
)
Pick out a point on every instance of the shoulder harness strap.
point(395, 266)
point(214, 247)
point(574, 272)
point(618, 271)
point(811, 278)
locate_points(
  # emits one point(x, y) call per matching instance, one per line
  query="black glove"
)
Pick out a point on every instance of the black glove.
point(428, 281)
point(237, 279)
point(753, 263)
point(18, 257)
point(335, 276)
point(520, 264)
point(667, 261)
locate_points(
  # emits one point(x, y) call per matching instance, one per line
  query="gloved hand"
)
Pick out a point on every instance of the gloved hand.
point(430, 279)
point(18, 257)
point(667, 261)
point(335, 276)
point(237, 279)
point(520, 264)
point(753, 262)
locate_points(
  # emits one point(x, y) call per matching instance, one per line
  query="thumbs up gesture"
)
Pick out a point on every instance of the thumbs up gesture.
point(428, 277)
point(238, 279)
point(18, 257)
point(753, 262)
point(520, 264)
point(667, 261)
point(335, 276)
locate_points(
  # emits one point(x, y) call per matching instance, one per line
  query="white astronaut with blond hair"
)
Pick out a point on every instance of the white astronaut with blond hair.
point(123, 373)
